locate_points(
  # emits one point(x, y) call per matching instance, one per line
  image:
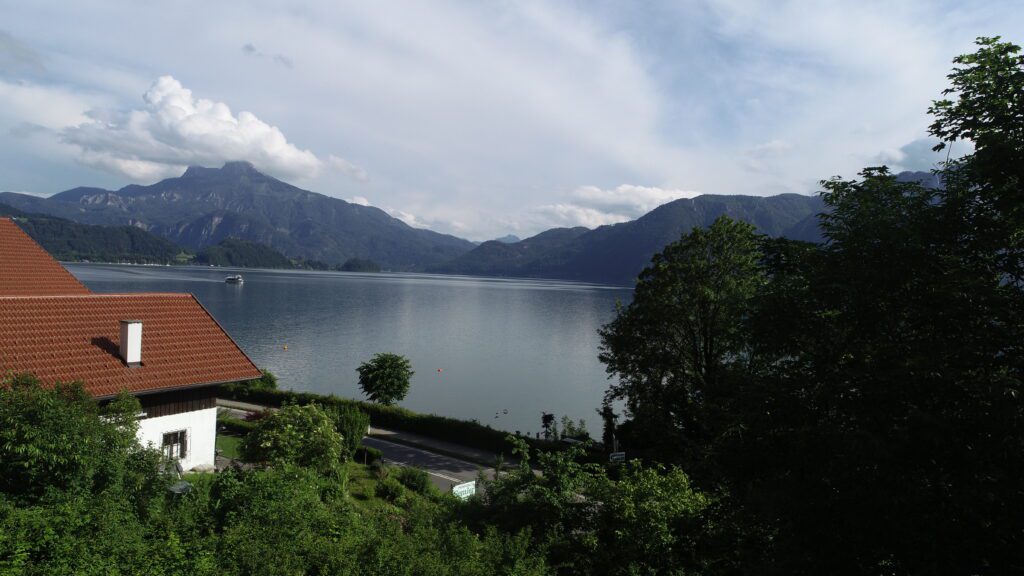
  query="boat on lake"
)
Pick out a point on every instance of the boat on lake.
point(236, 279)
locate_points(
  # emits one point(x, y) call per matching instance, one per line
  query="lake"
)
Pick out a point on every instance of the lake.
point(497, 350)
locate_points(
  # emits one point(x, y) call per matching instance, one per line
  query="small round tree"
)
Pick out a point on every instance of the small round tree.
point(300, 435)
point(385, 378)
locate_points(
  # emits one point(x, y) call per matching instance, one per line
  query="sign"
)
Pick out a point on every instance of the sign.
point(617, 457)
point(464, 490)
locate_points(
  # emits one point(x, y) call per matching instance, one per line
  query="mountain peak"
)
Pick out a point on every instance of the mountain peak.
point(239, 166)
point(235, 167)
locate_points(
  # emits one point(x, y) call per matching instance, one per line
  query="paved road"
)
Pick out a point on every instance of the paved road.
point(444, 471)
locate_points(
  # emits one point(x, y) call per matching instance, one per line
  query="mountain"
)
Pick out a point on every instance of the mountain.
point(497, 258)
point(70, 241)
point(508, 239)
point(235, 252)
point(615, 254)
point(206, 205)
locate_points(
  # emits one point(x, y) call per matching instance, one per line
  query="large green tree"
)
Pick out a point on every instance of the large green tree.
point(882, 428)
point(385, 377)
point(872, 417)
point(677, 345)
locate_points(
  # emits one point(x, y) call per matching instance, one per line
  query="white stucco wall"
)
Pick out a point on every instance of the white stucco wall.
point(201, 426)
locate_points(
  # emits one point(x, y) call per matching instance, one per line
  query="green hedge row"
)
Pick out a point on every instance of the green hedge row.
point(464, 432)
point(235, 425)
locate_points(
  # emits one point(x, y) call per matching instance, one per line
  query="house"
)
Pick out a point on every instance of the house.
point(163, 348)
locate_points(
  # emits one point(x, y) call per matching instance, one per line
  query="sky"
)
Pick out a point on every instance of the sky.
point(481, 118)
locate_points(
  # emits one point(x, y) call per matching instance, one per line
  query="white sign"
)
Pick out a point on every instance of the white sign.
point(617, 457)
point(464, 490)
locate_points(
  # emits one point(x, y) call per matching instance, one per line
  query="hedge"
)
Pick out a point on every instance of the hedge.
point(464, 432)
point(235, 425)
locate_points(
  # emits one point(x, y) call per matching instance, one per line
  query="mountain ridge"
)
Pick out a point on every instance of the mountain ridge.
point(204, 206)
point(616, 253)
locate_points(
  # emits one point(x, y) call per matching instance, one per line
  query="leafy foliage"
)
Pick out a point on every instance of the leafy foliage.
point(352, 424)
point(265, 382)
point(648, 521)
point(385, 378)
point(867, 400)
point(54, 442)
point(300, 435)
point(676, 346)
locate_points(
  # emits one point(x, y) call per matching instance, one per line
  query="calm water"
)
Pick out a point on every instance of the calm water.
point(520, 346)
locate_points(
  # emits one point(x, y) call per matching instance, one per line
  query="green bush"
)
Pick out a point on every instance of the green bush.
point(265, 382)
point(389, 489)
point(236, 425)
point(414, 479)
point(464, 432)
point(351, 423)
point(300, 435)
point(367, 455)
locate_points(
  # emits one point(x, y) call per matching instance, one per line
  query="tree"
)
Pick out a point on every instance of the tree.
point(37, 456)
point(385, 378)
point(265, 382)
point(673, 346)
point(882, 422)
point(301, 435)
point(351, 423)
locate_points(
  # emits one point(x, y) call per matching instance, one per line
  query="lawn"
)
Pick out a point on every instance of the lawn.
point(229, 446)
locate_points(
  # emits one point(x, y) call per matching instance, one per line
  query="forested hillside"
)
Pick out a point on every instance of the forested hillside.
point(70, 241)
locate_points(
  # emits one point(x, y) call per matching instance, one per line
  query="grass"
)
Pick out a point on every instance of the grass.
point(229, 446)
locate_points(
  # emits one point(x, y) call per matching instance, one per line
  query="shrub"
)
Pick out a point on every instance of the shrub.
point(235, 425)
point(465, 432)
point(351, 423)
point(265, 382)
point(389, 489)
point(368, 455)
point(414, 479)
point(301, 435)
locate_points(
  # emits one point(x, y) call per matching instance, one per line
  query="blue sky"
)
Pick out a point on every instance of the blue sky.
point(480, 118)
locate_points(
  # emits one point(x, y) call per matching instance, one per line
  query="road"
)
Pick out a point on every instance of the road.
point(444, 471)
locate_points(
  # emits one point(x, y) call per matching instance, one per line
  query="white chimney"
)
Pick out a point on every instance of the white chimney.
point(131, 342)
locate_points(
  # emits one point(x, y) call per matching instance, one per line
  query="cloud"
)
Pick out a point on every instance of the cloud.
point(175, 130)
point(592, 206)
point(360, 200)
point(16, 57)
point(249, 49)
point(356, 172)
point(571, 215)
point(406, 217)
point(628, 199)
point(918, 155)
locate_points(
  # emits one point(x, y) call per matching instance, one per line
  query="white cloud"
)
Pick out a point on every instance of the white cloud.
point(571, 215)
point(176, 129)
point(628, 199)
point(474, 112)
point(406, 217)
point(360, 200)
point(354, 171)
point(46, 106)
point(592, 206)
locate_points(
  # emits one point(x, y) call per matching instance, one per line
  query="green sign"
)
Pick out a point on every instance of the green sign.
point(465, 490)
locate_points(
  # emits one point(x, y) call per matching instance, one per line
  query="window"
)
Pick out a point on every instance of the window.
point(175, 444)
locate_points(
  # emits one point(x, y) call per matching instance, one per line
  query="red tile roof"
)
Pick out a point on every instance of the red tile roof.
point(70, 338)
point(26, 269)
point(52, 326)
